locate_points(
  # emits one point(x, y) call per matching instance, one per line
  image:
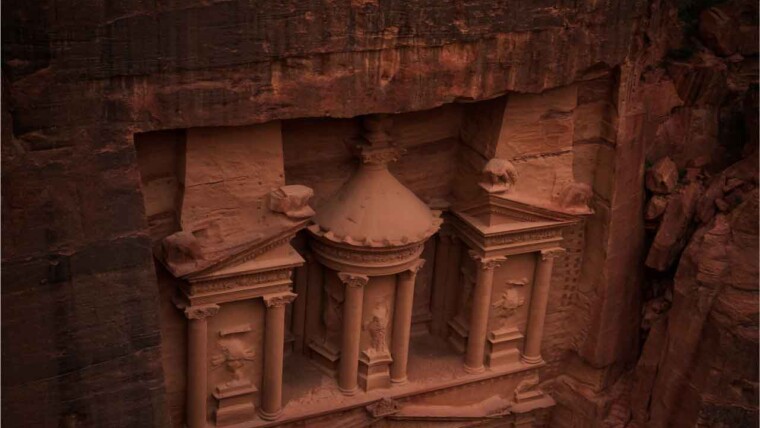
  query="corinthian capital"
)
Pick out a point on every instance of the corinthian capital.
point(200, 312)
point(414, 268)
point(353, 279)
point(486, 263)
point(551, 253)
point(279, 299)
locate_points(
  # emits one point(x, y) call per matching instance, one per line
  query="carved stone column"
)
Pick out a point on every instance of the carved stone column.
point(481, 305)
point(402, 322)
point(274, 344)
point(352, 329)
point(197, 363)
point(538, 302)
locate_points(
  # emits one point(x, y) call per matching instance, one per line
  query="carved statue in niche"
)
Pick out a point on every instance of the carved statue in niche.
point(332, 316)
point(234, 355)
point(498, 176)
point(511, 298)
point(378, 327)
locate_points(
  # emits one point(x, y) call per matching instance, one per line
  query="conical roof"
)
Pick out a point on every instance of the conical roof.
point(374, 209)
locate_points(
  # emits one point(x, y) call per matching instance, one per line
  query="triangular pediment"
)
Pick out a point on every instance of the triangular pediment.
point(501, 214)
point(270, 252)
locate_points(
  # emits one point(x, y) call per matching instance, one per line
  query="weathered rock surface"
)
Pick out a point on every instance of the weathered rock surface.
point(699, 368)
point(663, 176)
point(672, 233)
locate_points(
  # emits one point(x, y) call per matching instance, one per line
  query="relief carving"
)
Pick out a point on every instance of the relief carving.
point(378, 327)
point(353, 279)
point(234, 355)
point(281, 299)
point(511, 298)
point(292, 200)
point(552, 253)
point(575, 198)
point(366, 257)
point(384, 407)
point(201, 312)
point(486, 263)
point(498, 176)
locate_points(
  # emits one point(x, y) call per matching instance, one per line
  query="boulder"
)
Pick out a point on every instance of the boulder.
point(662, 177)
point(671, 235)
point(655, 207)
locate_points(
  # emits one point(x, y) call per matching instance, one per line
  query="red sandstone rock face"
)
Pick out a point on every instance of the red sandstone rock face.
point(699, 366)
point(80, 327)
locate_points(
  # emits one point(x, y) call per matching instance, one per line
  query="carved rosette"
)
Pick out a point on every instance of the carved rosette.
point(486, 263)
point(201, 312)
point(551, 253)
point(279, 299)
point(353, 279)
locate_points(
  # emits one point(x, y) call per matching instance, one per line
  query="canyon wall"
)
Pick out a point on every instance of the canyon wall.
point(586, 94)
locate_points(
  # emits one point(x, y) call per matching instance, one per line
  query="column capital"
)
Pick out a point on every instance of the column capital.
point(486, 263)
point(279, 299)
point(353, 279)
point(415, 267)
point(200, 312)
point(551, 253)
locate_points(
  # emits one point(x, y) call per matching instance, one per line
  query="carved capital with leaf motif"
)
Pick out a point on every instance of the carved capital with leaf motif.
point(353, 279)
point(201, 312)
point(486, 263)
point(551, 253)
point(279, 299)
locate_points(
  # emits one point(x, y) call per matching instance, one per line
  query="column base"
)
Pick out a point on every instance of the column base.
point(374, 372)
point(399, 382)
point(267, 416)
point(531, 360)
point(474, 370)
point(234, 402)
point(348, 392)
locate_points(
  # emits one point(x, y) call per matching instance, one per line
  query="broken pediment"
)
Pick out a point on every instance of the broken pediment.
point(202, 253)
point(496, 220)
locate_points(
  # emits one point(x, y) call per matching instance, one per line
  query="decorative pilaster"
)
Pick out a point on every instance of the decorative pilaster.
point(352, 328)
point(197, 349)
point(402, 322)
point(538, 303)
point(481, 305)
point(274, 344)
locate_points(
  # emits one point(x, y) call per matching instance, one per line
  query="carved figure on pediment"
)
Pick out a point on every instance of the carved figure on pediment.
point(378, 327)
point(234, 355)
point(292, 200)
point(332, 316)
point(511, 298)
point(498, 176)
point(180, 250)
point(575, 198)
